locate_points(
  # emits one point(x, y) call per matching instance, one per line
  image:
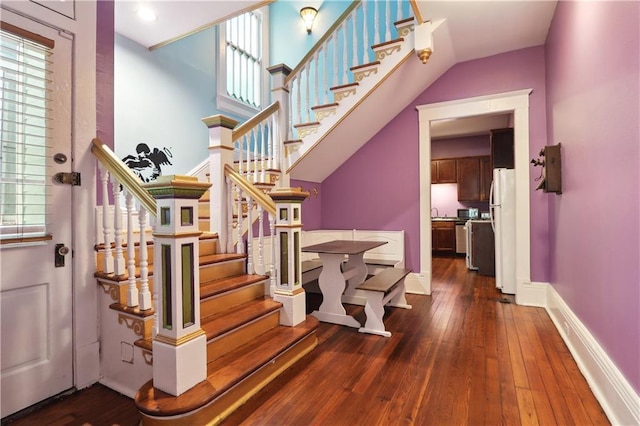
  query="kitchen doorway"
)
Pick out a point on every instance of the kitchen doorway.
point(517, 103)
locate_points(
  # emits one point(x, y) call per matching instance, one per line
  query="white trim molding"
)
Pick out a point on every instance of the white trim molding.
point(417, 284)
point(516, 102)
point(616, 396)
point(533, 294)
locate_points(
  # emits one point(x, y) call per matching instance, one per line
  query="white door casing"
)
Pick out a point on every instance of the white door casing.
point(516, 102)
point(36, 298)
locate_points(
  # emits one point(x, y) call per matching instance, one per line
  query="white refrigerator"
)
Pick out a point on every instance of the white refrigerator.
point(502, 210)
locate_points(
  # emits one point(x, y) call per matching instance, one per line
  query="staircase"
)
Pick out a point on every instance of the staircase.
point(246, 345)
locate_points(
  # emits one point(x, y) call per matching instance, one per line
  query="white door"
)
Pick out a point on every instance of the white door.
point(36, 306)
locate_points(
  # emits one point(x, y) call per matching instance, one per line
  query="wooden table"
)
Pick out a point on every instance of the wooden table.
point(333, 278)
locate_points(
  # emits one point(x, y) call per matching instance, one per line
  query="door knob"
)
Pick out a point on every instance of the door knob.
point(60, 252)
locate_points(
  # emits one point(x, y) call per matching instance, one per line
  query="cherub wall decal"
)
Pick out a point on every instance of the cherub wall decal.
point(146, 163)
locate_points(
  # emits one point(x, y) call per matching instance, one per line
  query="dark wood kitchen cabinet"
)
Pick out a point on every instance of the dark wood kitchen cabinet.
point(443, 236)
point(443, 171)
point(474, 178)
point(502, 151)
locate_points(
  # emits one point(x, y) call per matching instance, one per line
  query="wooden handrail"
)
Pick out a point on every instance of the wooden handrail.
point(246, 127)
point(125, 176)
point(261, 198)
point(416, 11)
point(321, 41)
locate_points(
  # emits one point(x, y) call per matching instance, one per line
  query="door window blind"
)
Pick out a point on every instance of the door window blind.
point(25, 86)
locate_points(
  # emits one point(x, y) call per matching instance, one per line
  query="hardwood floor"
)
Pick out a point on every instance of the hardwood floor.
point(464, 355)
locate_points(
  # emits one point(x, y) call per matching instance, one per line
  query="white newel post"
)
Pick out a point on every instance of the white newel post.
point(289, 289)
point(280, 93)
point(180, 346)
point(220, 153)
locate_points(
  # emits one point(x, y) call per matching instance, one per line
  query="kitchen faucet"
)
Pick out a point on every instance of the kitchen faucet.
point(437, 213)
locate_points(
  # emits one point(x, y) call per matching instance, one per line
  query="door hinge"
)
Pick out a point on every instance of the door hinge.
point(71, 178)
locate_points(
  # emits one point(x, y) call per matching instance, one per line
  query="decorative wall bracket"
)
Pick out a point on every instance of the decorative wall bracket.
point(551, 175)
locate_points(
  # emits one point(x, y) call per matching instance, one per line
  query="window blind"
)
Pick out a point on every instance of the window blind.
point(25, 88)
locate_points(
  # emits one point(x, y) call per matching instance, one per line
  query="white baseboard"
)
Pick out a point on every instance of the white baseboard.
point(616, 396)
point(532, 294)
point(416, 284)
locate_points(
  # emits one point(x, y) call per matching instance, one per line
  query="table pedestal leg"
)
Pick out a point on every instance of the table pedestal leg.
point(332, 284)
point(357, 270)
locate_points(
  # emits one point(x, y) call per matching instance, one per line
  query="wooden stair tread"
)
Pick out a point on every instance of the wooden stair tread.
point(225, 372)
point(225, 321)
point(219, 257)
point(222, 285)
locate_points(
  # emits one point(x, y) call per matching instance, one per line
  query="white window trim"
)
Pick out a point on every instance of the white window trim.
point(227, 103)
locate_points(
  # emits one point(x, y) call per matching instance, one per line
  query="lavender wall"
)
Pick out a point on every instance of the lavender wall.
point(593, 110)
point(312, 206)
point(378, 186)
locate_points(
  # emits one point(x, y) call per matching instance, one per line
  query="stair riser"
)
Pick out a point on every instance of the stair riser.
point(204, 225)
point(221, 270)
point(228, 300)
point(222, 407)
point(239, 336)
point(204, 209)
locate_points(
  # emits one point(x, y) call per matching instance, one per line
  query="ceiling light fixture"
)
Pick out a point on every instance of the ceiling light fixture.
point(308, 15)
point(146, 14)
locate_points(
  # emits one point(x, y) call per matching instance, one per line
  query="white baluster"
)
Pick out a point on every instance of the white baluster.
point(299, 100)
point(325, 89)
point(264, 159)
point(316, 83)
point(118, 263)
point(387, 20)
point(354, 22)
point(271, 140)
point(399, 14)
point(335, 58)
point(107, 267)
point(239, 143)
point(254, 137)
point(240, 245)
point(277, 140)
point(345, 67)
point(260, 267)
point(365, 33)
point(229, 245)
point(247, 139)
point(132, 288)
point(272, 270)
point(376, 25)
point(250, 269)
point(145, 294)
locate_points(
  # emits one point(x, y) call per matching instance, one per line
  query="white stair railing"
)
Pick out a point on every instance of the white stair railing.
point(117, 180)
point(345, 45)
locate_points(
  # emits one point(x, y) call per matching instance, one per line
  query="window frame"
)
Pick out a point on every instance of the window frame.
point(227, 103)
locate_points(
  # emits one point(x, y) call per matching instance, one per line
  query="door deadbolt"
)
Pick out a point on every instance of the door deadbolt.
point(60, 158)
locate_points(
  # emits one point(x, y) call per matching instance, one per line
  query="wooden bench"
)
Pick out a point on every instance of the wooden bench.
point(385, 288)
